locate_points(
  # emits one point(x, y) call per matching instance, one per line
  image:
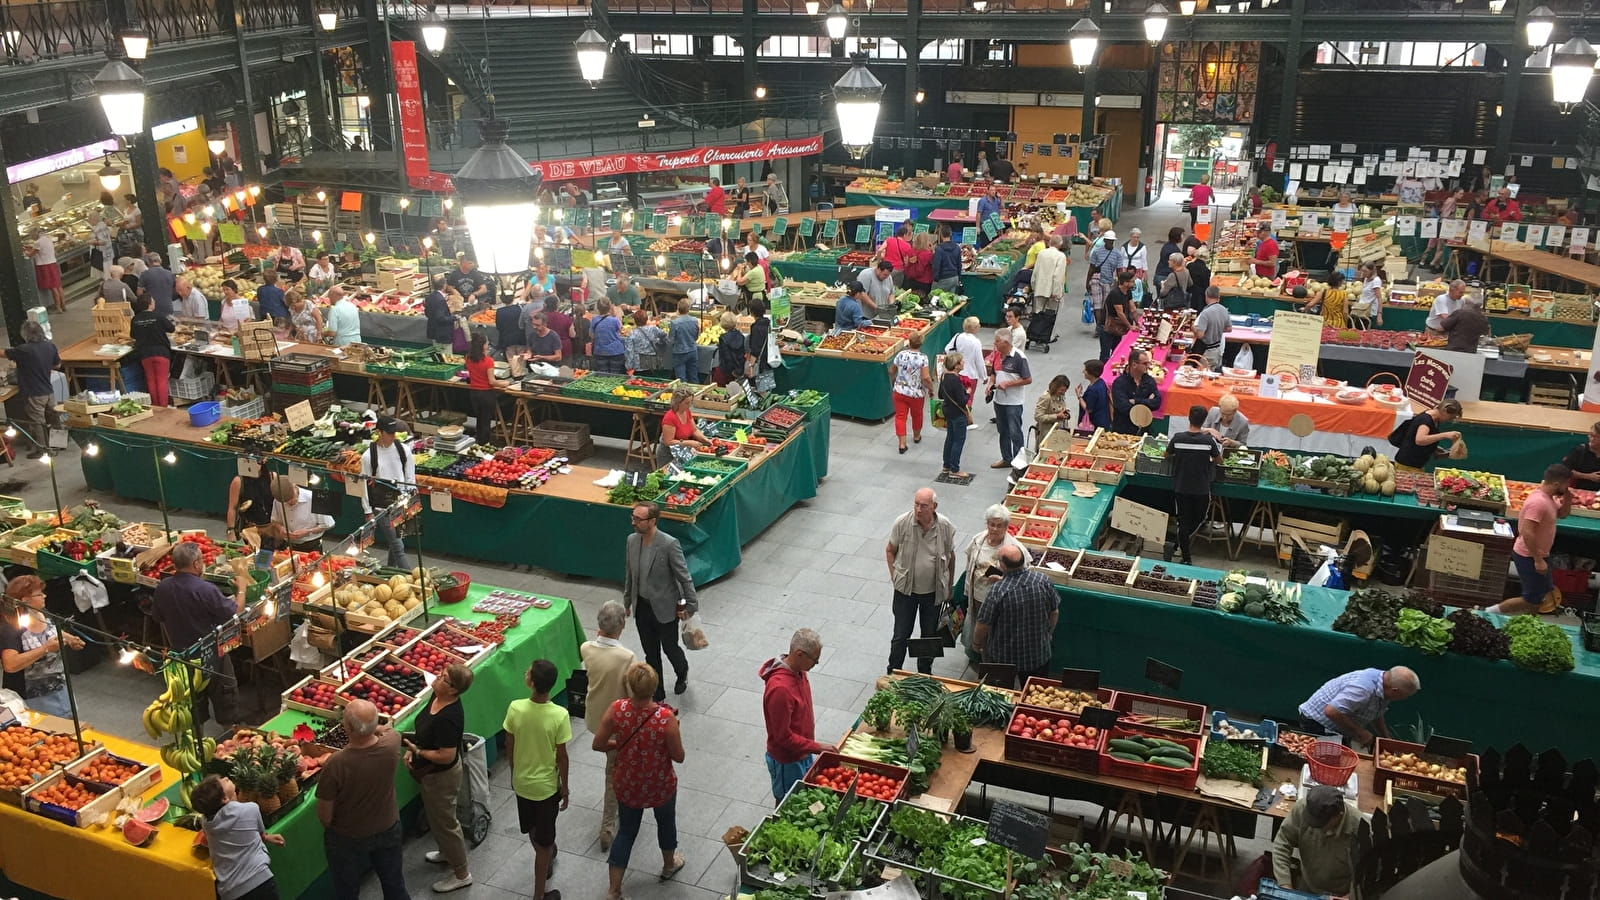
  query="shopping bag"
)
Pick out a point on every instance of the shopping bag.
point(1088, 310)
point(937, 412)
point(694, 636)
point(1246, 358)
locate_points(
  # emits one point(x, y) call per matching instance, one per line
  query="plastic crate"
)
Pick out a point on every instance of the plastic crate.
point(1248, 475)
point(1266, 730)
point(1144, 704)
point(1049, 753)
point(303, 390)
point(51, 565)
point(1183, 779)
point(200, 387)
point(827, 759)
point(250, 409)
point(1145, 464)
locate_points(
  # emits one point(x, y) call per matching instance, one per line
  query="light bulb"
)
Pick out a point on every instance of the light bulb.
point(726, 264)
point(538, 253)
point(448, 203)
point(24, 619)
point(239, 196)
point(255, 190)
point(11, 431)
point(371, 238)
point(661, 259)
point(269, 608)
point(209, 211)
point(316, 236)
point(170, 458)
point(315, 479)
point(190, 218)
point(91, 449)
point(318, 579)
point(127, 656)
point(405, 202)
point(205, 227)
point(352, 550)
point(322, 196)
point(427, 243)
point(261, 230)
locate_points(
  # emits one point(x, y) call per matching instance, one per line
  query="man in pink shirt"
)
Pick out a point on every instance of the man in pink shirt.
point(952, 173)
point(1536, 533)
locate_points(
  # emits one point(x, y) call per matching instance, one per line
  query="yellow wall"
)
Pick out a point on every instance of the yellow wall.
point(1038, 125)
point(196, 155)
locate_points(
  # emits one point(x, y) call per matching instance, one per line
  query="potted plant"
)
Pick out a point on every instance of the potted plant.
point(961, 728)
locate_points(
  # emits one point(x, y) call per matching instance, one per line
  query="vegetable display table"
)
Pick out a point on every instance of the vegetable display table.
point(985, 292)
point(566, 512)
point(60, 861)
point(554, 634)
point(860, 388)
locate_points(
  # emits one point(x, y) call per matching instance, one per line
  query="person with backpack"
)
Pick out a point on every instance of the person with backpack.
point(1419, 437)
point(387, 463)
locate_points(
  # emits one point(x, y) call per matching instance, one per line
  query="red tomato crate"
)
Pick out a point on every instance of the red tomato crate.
point(1162, 707)
point(827, 759)
point(1049, 753)
point(1178, 778)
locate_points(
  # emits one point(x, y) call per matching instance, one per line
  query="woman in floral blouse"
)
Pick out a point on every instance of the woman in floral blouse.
point(645, 736)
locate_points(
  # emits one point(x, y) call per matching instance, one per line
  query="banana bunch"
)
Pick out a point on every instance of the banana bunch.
point(186, 754)
point(172, 712)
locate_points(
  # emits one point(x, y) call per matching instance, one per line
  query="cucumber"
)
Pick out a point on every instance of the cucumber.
point(1163, 742)
point(1127, 757)
point(1170, 762)
point(1128, 746)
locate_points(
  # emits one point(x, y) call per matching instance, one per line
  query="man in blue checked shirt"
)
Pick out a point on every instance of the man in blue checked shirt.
point(1354, 703)
point(1017, 623)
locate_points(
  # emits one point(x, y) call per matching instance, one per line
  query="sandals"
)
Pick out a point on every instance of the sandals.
point(677, 866)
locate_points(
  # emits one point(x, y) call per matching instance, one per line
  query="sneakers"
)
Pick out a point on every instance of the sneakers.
point(453, 883)
point(435, 857)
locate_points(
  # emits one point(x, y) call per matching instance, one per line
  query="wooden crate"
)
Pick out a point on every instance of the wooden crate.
point(1405, 781)
point(135, 786)
point(111, 323)
point(1132, 589)
point(101, 807)
point(107, 420)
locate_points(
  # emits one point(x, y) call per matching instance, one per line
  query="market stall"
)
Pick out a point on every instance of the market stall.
point(1085, 202)
point(984, 287)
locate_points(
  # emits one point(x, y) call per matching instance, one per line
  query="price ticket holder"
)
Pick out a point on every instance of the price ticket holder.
point(1002, 675)
point(925, 648)
point(1163, 674)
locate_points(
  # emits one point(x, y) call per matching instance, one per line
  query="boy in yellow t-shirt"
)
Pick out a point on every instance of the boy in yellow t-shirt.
point(537, 732)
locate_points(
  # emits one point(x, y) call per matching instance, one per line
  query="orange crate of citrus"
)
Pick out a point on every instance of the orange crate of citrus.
point(65, 794)
point(106, 770)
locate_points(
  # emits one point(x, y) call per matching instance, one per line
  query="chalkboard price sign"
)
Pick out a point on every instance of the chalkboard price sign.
point(808, 226)
point(863, 234)
point(1018, 828)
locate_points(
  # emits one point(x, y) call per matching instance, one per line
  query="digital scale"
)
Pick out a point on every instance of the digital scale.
point(1475, 518)
point(1307, 783)
point(457, 444)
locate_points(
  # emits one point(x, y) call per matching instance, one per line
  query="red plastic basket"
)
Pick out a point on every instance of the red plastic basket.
point(1331, 763)
point(459, 592)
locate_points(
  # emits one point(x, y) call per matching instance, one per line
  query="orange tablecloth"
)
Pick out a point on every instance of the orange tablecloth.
point(96, 863)
point(1369, 419)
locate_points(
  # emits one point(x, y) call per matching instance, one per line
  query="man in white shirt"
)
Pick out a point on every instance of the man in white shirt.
point(879, 282)
point(390, 465)
point(293, 521)
point(343, 320)
point(1049, 275)
point(191, 303)
point(1011, 379)
point(1446, 304)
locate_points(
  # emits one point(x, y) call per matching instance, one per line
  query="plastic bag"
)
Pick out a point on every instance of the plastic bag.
point(89, 592)
point(1246, 358)
point(694, 636)
point(1088, 310)
point(301, 652)
point(1458, 450)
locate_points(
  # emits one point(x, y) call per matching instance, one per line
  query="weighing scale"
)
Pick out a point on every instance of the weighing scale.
point(1307, 783)
point(457, 444)
point(1475, 518)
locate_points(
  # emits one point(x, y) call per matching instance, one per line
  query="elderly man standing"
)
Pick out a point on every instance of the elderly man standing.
point(606, 661)
point(343, 320)
point(922, 564)
point(1354, 704)
point(1211, 328)
point(190, 607)
point(356, 805)
point(1017, 622)
point(1011, 379)
point(1466, 325)
point(786, 707)
point(656, 582)
point(1049, 275)
point(1444, 305)
point(191, 300)
point(1322, 827)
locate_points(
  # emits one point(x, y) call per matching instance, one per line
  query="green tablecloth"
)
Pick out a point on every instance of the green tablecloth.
point(858, 388)
point(985, 293)
point(920, 206)
point(198, 482)
point(554, 634)
point(1546, 332)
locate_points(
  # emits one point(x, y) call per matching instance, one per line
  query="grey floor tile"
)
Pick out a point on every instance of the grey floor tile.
point(737, 705)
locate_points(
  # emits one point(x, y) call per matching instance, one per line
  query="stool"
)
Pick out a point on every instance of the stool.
point(1217, 511)
point(1206, 823)
point(1263, 518)
point(1131, 808)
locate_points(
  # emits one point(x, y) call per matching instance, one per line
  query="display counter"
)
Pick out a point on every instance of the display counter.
point(922, 204)
point(299, 866)
point(985, 292)
point(1546, 332)
point(856, 387)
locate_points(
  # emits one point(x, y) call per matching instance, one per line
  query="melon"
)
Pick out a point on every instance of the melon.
point(136, 832)
point(401, 592)
point(153, 813)
point(1388, 488)
point(382, 593)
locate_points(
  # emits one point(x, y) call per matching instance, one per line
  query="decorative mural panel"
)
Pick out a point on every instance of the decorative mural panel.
point(1209, 83)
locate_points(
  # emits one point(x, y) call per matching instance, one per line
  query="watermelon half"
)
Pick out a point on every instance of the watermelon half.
point(155, 812)
point(136, 832)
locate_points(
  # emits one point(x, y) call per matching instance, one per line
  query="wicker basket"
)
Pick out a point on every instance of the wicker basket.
point(1515, 342)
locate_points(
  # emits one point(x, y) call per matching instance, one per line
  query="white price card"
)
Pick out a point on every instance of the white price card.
point(1313, 173)
point(1360, 176)
point(356, 487)
point(1526, 161)
point(298, 476)
point(1280, 218)
point(1430, 227)
point(1580, 238)
point(1477, 230)
point(1479, 156)
point(1535, 235)
point(1508, 231)
point(248, 468)
point(1555, 236)
point(1139, 520)
point(1405, 226)
point(440, 502)
point(1453, 556)
point(1449, 229)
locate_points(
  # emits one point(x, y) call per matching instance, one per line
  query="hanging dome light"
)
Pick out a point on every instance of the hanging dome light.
point(593, 51)
point(121, 92)
point(1497, 6)
point(1155, 23)
point(110, 176)
point(980, 5)
point(813, 7)
point(433, 33)
point(1186, 7)
point(856, 99)
point(499, 194)
point(135, 42)
point(836, 22)
point(1539, 25)
point(1223, 8)
point(1084, 39)
point(1571, 68)
point(328, 17)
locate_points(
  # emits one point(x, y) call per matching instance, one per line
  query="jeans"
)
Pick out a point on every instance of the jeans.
point(349, 860)
point(657, 638)
point(54, 703)
point(156, 371)
point(686, 367)
point(1191, 512)
point(395, 543)
point(955, 437)
point(908, 610)
point(951, 284)
point(1008, 418)
point(628, 818)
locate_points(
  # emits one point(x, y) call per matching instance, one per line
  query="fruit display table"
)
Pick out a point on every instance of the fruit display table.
point(52, 859)
point(985, 292)
point(1517, 440)
point(923, 204)
point(566, 512)
point(860, 388)
point(554, 634)
point(1546, 332)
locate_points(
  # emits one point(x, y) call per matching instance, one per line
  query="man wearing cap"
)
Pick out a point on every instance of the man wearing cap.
point(1266, 255)
point(388, 464)
point(1102, 274)
point(1321, 826)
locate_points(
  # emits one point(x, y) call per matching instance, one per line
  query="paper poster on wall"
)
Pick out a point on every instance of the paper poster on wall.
point(1428, 228)
point(1461, 153)
point(1508, 231)
point(1295, 171)
point(1360, 176)
point(1405, 226)
point(1296, 342)
point(1347, 148)
point(1526, 161)
point(1535, 235)
point(1313, 173)
point(1280, 219)
point(1572, 162)
point(1479, 156)
point(1555, 236)
point(1391, 155)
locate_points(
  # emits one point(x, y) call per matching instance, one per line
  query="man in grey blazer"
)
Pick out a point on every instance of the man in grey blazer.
point(657, 589)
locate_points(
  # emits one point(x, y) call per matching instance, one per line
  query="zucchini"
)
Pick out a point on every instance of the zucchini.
point(1163, 742)
point(1170, 762)
point(1126, 757)
point(1128, 746)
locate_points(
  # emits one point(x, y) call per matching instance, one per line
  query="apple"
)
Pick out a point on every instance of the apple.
point(1027, 732)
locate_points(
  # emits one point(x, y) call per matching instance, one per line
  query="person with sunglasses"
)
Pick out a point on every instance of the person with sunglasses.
point(658, 590)
point(786, 706)
point(30, 648)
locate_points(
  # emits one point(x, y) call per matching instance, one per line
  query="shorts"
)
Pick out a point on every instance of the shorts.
point(47, 276)
point(1535, 584)
point(538, 818)
point(784, 775)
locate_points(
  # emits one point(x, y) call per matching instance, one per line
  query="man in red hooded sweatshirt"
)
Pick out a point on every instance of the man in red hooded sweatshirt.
point(786, 704)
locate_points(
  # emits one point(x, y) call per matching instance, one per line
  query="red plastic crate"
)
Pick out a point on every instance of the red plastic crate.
point(827, 759)
point(1130, 704)
point(1178, 778)
point(1049, 753)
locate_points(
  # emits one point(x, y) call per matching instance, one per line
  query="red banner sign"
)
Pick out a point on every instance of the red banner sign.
point(413, 127)
point(659, 161)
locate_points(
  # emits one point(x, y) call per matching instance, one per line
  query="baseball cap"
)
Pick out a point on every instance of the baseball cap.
point(389, 424)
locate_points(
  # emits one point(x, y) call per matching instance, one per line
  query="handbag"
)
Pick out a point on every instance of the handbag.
point(460, 341)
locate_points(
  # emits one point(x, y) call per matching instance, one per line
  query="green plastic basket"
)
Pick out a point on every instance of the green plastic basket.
point(303, 390)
